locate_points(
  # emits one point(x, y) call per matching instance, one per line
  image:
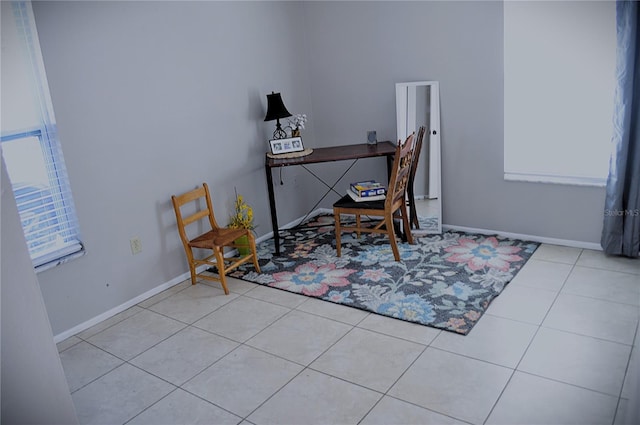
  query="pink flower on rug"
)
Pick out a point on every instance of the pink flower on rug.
point(312, 280)
point(375, 275)
point(472, 315)
point(457, 324)
point(303, 249)
point(486, 253)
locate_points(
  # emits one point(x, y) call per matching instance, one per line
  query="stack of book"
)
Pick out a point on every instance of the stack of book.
point(366, 191)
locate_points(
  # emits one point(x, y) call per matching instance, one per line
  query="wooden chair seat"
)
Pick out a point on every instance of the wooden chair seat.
point(216, 237)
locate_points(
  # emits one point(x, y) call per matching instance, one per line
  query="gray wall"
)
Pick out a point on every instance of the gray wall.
point(153, 98)
point(372, 45)
point(34, 388)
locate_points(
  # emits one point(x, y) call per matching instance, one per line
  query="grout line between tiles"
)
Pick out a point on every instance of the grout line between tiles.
point(353, 326)
point(524, 353)
point(568, 383)
point(626, 372)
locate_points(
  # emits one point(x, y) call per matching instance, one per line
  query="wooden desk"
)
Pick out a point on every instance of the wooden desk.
point(329, 154)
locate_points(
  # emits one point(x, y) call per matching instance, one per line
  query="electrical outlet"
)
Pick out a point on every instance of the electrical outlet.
point(136, 245)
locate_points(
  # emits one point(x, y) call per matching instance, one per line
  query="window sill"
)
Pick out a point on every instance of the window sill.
point(566, 180)
point(59, 261)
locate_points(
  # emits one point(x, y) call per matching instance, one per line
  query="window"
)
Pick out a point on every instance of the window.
point(30, 146)
point(559, 82)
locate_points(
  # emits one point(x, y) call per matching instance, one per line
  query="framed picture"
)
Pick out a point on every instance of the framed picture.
point(290, 144)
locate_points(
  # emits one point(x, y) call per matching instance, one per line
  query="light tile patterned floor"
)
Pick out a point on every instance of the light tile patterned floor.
point(554, 348)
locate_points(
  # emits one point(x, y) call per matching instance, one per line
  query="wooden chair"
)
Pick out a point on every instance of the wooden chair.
point(394, 203)
point(413, 214)
point(215, 239)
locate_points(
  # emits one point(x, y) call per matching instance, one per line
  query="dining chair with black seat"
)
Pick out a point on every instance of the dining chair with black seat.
point(215, 239)
point(393, 207)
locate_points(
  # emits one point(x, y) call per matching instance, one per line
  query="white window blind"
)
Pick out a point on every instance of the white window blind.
point(559, 81)
point(30, 146)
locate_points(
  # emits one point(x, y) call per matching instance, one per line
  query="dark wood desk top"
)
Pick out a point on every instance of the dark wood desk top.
point(336, 153)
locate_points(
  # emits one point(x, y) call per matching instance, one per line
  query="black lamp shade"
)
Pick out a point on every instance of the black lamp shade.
point(275, 107)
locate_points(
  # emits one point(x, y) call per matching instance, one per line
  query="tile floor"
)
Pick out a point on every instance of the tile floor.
point(557, 346)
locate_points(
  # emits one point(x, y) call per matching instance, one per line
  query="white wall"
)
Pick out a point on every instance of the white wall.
point(152, 98)
point(372, 45)
point(34, 388)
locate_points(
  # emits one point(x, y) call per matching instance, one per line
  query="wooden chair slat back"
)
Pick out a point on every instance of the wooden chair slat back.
point(400, 171)
point(201, 193)
point(190, 196)
point(416, 152)
point(196, 216)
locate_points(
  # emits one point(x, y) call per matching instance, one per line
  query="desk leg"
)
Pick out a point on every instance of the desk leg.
point(272, 208)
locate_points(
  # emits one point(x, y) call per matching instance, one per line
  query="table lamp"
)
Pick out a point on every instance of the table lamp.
point(275, 111)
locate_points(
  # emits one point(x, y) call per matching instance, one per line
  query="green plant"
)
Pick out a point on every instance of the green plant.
point(242, 217)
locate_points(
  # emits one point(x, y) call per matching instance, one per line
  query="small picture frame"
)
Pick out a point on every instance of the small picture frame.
point(290, 144)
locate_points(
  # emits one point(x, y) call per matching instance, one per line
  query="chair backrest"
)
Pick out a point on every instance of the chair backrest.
point(400, 173)
point(198, 197)
point(416, 154)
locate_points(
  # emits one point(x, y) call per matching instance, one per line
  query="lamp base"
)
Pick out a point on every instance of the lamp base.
point(279, 133)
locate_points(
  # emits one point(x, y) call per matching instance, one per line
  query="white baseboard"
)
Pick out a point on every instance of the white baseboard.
point(150, 293)
point(533, 238)
point(297, 221)
point(122, 307)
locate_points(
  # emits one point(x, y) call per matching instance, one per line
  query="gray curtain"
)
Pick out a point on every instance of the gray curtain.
point(621, 230)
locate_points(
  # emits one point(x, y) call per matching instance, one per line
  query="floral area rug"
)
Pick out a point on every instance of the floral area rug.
point(445, 281)
point(428, 225)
